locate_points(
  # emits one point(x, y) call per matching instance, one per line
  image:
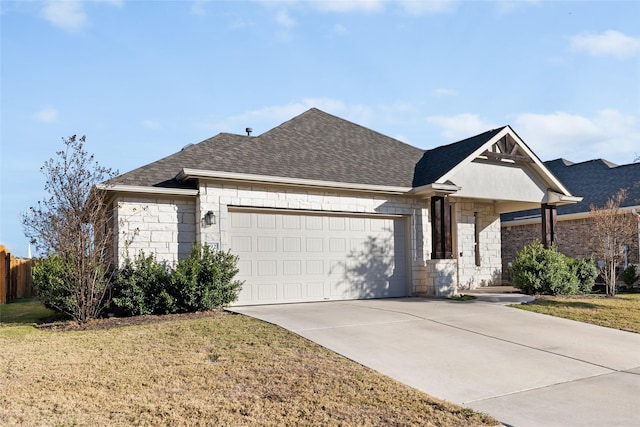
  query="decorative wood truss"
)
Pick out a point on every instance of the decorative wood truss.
point(506, 149)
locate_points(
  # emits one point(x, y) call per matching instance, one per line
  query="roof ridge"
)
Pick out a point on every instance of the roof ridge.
point(496, 130)
point(315, 110)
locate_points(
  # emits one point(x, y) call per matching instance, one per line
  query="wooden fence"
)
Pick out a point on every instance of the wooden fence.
point(15, 277)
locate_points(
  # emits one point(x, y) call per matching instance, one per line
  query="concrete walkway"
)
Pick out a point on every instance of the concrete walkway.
point(523, 368)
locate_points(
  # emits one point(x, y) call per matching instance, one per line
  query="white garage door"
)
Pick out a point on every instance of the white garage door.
point(294, 257)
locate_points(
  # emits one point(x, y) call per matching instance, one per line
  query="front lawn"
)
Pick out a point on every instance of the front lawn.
point(214, 368)
point(619, 312)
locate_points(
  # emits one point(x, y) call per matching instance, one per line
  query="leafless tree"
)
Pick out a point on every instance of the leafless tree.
point(611, 229)
point(74, 225)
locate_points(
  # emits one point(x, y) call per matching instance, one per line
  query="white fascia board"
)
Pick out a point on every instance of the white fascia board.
point(558, 199)
point(120, 188)
point(435, 189)
point(542, 169)
point(187, 173)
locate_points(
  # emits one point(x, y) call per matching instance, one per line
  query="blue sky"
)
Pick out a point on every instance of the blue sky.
point(141, 79)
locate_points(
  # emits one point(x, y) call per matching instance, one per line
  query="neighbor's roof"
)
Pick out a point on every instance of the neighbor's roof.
point(595, 180)
point(314, 145)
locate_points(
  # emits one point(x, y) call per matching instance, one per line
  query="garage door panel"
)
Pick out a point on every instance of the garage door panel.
point(267, 292)
point(292, 290)
point(241, 220)
point(291, 267)
point(267, 244)
point(266, 221)
point(337, 223)
point(267, 268)
point(313, 222)
point(315, 267)
point(314, 244)
point(291, 222)
point(291, 244)
point(337, 245)
point(293, 257)
point(241, 244)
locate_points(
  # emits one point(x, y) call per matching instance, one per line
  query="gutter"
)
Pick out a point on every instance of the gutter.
point(120, 188)
point(187, 173)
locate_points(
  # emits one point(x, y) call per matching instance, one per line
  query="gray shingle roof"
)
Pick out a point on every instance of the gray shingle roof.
point(594, 180)
point(314, 145)
point(437, 162)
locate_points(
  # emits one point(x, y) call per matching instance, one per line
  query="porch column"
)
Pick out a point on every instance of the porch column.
point(549, 216)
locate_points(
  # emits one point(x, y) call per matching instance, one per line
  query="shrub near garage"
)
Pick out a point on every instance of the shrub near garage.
point(204, 280)
point(142, 287)
point(540, 270)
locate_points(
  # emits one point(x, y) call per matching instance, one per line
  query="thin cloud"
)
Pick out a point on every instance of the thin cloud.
point(68, 14)
point(339, 30)
point(421, 7)
point(445, 92)
point(609, 43)
point(460, 126)
point(151, 124)
point(285, 20)
point(263, 119)
point(48, 115)
point(578, 138)
point(198, 7)
point(349, 5)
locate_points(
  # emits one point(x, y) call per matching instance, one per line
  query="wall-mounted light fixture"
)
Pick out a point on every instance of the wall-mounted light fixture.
point(209, 218)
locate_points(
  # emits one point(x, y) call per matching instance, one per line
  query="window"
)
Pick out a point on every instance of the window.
point(441, 239)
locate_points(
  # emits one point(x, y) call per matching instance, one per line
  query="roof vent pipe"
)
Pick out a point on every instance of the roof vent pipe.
point(248, 130)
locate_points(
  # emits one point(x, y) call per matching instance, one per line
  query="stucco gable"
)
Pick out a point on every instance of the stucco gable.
point(495, 165)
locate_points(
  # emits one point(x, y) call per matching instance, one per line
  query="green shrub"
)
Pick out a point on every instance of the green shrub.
point(52, 279)
point(141, 287)
point(585, 271)
point(538, 270)
point(204, 280)
point(630, 275)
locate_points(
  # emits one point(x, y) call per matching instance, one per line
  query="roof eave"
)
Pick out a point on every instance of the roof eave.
point(139, 189)
point(557, 199)
point(188, 173)
point(435, 189)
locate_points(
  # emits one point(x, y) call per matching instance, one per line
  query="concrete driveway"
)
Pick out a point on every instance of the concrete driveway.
point(523, 368)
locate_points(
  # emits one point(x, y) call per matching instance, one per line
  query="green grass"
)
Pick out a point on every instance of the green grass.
point(619, 312)
point(26, 311)
point(216, 369)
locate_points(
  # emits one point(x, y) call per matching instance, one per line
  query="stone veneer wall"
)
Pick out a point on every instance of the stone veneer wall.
point(218, 197)
point(573, 238)
point(489, 271)
point(164, 227)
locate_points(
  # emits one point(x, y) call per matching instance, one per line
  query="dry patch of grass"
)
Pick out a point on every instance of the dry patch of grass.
point(217, 369)
point(619, 312)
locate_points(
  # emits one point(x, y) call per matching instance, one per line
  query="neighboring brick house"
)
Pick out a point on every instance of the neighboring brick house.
point(595, 180)
point(320, 208)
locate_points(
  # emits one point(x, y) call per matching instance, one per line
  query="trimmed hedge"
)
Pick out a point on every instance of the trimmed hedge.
point(540, 270)
point(203, 281)
point(142, 286)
